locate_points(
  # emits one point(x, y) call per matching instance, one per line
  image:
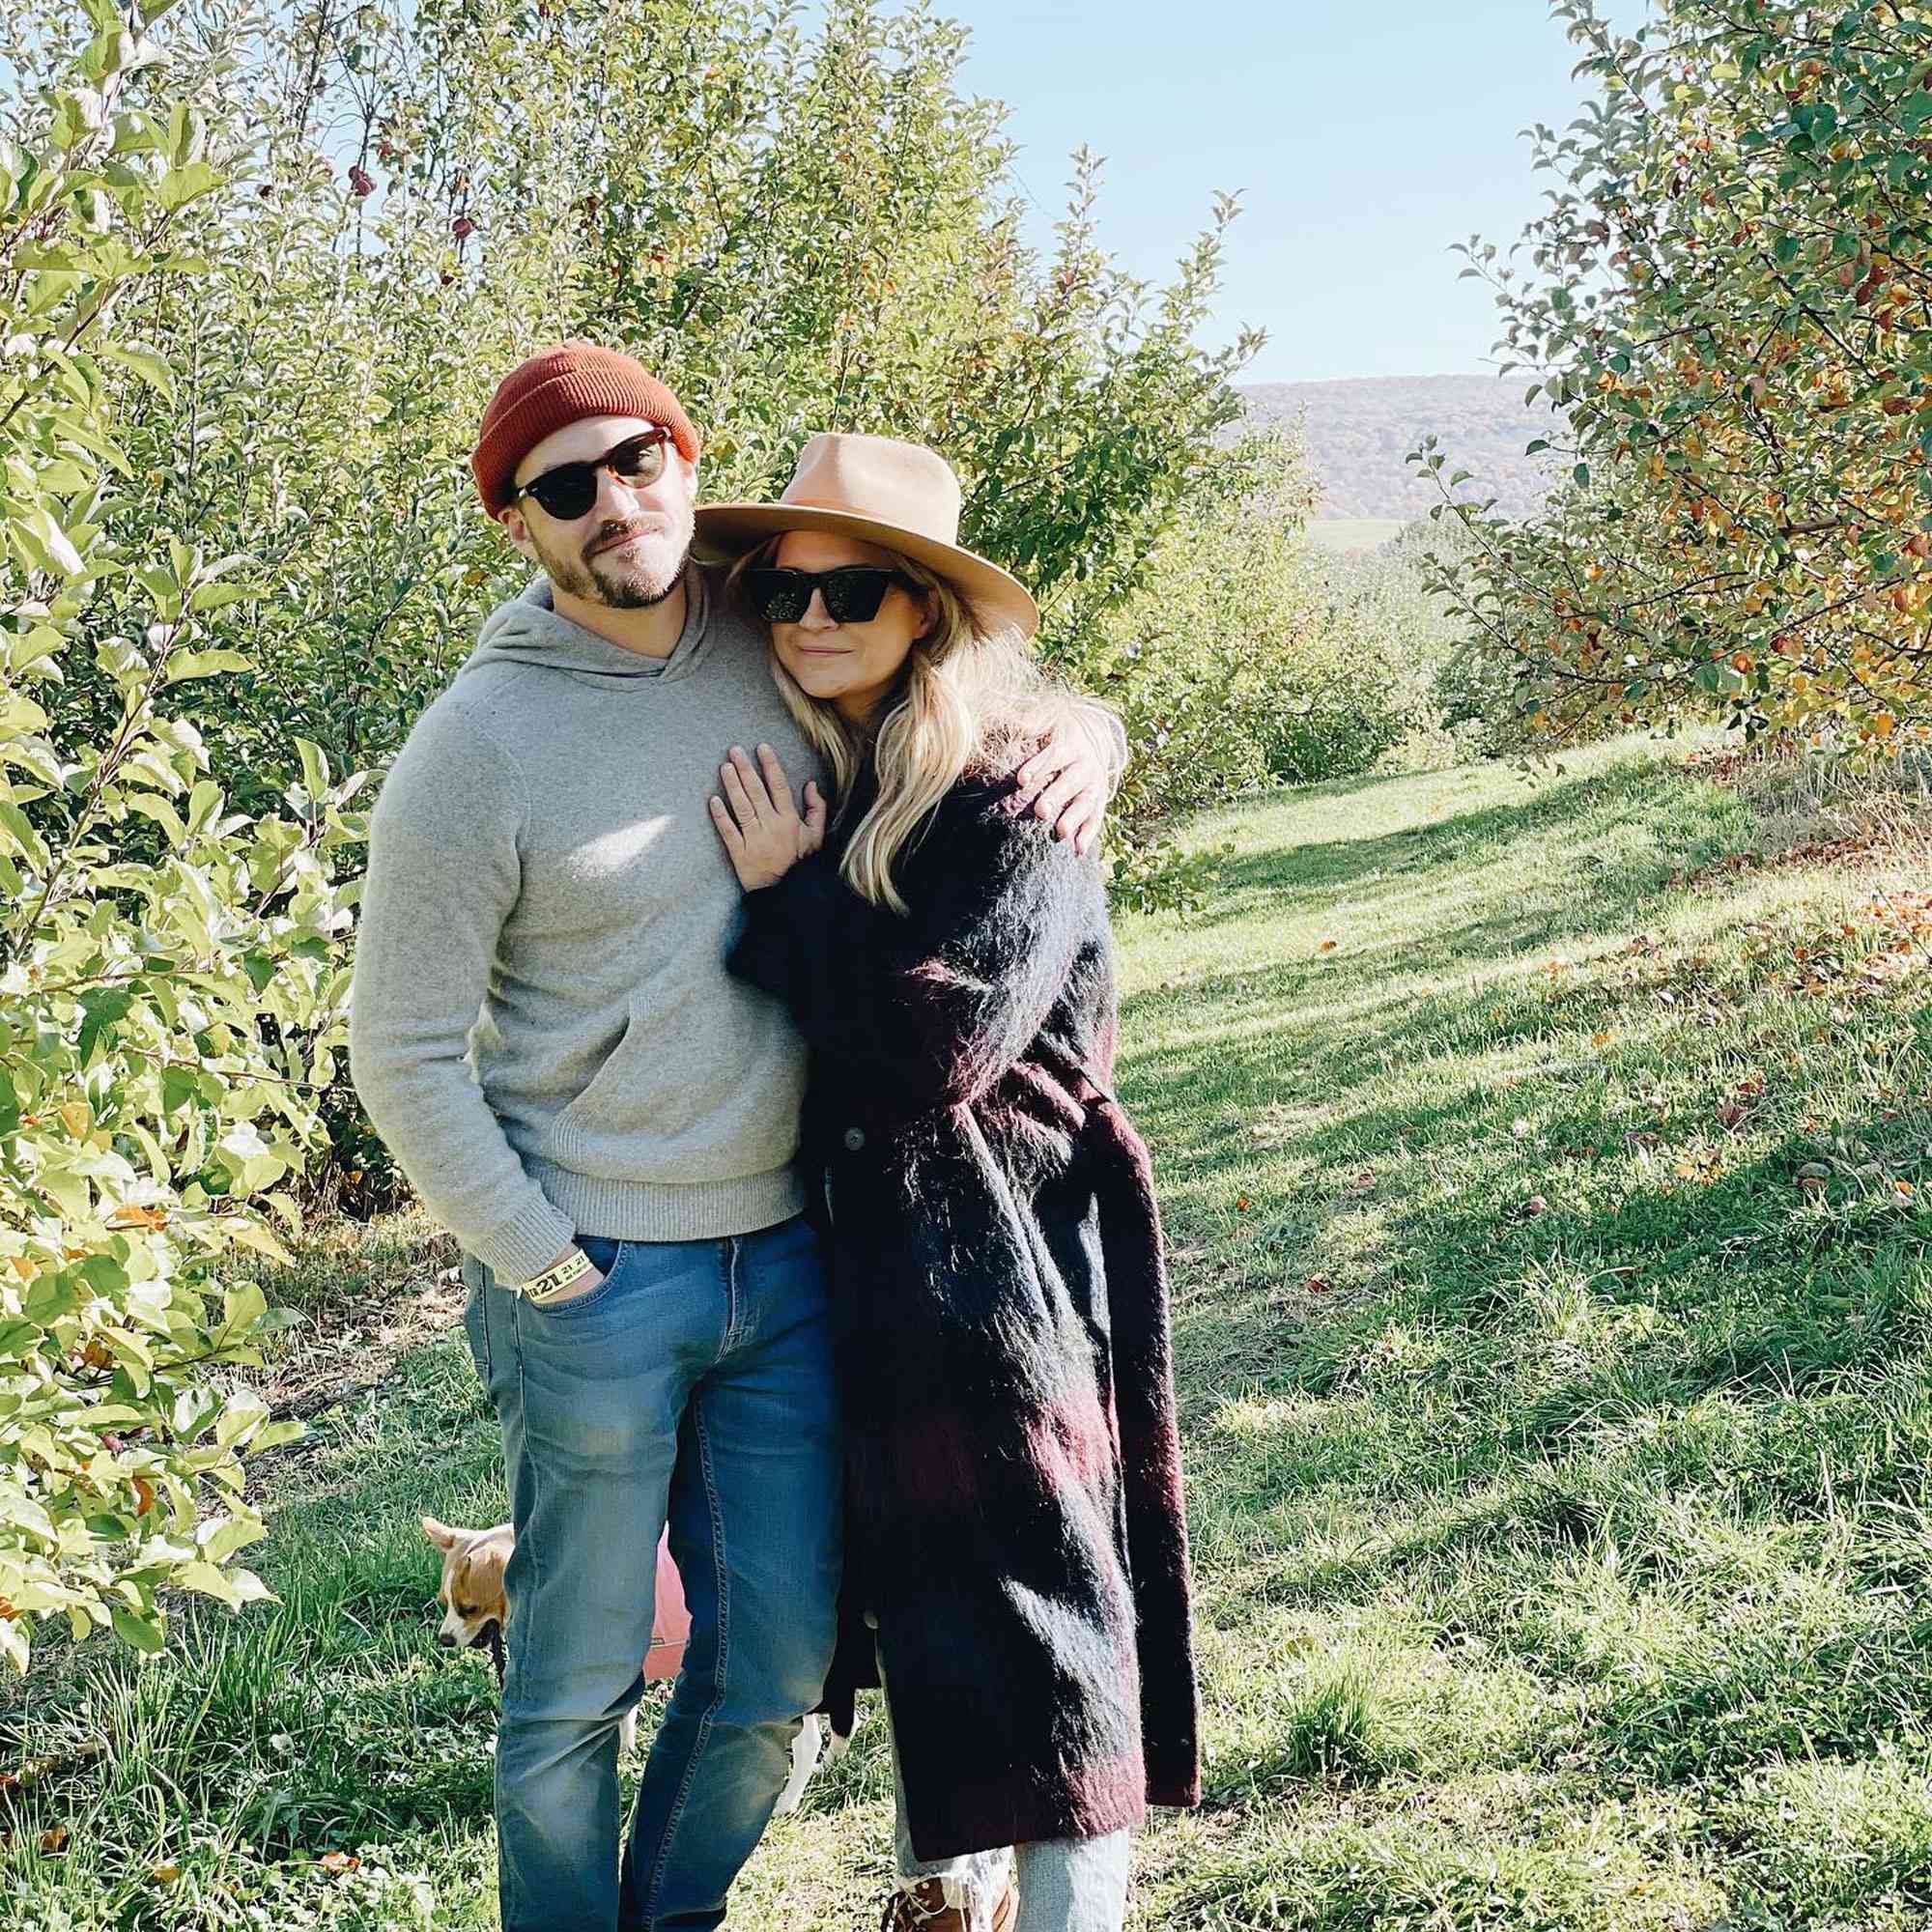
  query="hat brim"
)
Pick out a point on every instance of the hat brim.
point(725, 531)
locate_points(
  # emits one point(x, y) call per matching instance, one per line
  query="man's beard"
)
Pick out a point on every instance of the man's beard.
point(619, 586)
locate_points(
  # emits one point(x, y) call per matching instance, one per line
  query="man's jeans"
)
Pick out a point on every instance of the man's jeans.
point(694, 1385)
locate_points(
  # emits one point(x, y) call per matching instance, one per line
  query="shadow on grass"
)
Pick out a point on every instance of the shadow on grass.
point(1623, 832)
point(1724, 1284)
point(1675, 1365)
point(1777, 1703)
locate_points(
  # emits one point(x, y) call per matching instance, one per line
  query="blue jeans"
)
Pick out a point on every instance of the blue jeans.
point(694, 1386)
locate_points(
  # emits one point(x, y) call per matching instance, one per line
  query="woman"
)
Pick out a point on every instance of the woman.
point(1016, 1548)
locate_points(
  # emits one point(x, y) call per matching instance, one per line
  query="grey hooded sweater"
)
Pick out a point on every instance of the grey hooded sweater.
point(542, 1027)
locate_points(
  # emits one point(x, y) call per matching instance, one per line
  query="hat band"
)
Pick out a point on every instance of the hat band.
point(867, 516)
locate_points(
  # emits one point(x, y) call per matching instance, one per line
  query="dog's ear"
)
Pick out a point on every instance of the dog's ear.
point(440, 1534)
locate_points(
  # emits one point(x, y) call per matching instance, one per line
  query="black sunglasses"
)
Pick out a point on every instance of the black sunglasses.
point(853, 594)
point(570, 489)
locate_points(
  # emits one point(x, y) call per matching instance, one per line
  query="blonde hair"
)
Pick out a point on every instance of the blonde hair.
point(968, 695)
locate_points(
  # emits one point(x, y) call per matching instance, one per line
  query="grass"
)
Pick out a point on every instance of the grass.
point(1546, 1180)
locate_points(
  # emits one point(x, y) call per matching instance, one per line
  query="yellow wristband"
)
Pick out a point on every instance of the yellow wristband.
point(567, 1274)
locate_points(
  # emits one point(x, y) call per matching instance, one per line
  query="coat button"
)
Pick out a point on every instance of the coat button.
point(854, 1139)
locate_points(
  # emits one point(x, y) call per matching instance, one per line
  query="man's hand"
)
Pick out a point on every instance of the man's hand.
point(762, 828)
point(578, 1289)
point(1068, 782)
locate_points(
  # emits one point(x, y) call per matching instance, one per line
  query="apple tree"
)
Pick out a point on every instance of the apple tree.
point(1728, 308)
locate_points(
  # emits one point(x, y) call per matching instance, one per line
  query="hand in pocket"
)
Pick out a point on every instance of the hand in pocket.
point(562, 1298)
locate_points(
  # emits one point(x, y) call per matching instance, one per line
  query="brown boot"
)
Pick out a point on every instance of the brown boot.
point(924, 1908)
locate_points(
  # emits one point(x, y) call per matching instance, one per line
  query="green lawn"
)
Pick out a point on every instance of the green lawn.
point(1554, 1321)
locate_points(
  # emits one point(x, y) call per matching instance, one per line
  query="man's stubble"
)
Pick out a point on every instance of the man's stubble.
point(623, 587)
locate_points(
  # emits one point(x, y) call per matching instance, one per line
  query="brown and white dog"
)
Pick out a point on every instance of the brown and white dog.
point(475, 1612)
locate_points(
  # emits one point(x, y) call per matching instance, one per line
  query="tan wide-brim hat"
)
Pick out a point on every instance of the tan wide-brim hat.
point(899, 495)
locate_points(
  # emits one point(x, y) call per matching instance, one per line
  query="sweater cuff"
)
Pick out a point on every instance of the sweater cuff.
point(1177, 1791)
point(519, 1250)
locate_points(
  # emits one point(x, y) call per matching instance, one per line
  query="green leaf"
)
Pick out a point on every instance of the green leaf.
point(142, 1628)
point(103, 1274)
point(180, 1084)
point(150, 806)
point(14, 828)
point(59, 546)
point(209, 1581)
point(181, 185)
point(104, 1008)
point(220, 1537)
point(218, 596)
point(32, 755)
point(188, 134)
point(152, 367)
point(204, 803)
point(243, 1304)
point(19, 1339)
point(255, 1236)
point(315, 767)
point(204, 664)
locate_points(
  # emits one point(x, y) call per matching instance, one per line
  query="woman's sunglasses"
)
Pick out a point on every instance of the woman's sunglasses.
point(853, 594)
point(568, 491)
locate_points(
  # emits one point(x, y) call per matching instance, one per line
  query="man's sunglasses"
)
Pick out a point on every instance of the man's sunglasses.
point(853, 594)
point(568, 491)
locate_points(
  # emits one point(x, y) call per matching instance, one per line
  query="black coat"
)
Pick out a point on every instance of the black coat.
point(1015, 1505)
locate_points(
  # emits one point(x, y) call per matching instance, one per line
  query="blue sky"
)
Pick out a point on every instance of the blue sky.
point(1368, 138)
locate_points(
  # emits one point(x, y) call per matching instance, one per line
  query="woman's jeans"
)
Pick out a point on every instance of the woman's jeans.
point(694, 1385)
point(1065, 1884)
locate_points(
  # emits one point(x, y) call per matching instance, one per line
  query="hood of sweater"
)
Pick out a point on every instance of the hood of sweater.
point(527, 630)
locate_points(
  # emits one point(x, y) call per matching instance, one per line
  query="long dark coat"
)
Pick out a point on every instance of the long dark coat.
point(1014, 1503)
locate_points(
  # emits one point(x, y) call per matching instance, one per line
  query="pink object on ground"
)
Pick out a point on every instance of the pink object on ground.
point(670, 1626)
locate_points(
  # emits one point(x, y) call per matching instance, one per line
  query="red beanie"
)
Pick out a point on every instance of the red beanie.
point(563, 386)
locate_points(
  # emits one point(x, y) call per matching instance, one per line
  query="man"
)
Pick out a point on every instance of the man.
point(544, 1033)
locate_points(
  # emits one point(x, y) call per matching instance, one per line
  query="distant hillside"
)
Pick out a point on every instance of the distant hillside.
point(1359, 433)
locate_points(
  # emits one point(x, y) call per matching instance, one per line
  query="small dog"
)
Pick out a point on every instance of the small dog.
point(475, 1611)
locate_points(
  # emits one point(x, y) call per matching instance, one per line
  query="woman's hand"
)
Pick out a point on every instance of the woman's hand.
point(1068, 782)
point(760, 827)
